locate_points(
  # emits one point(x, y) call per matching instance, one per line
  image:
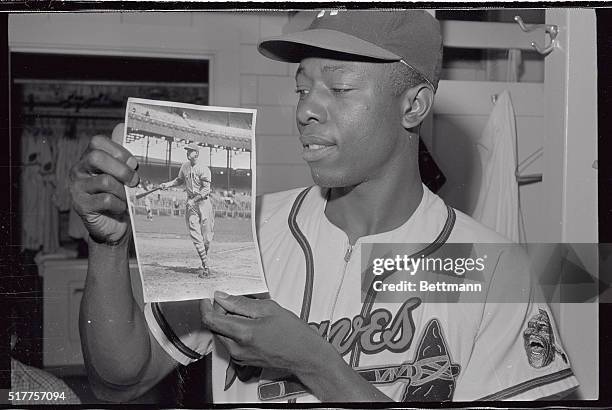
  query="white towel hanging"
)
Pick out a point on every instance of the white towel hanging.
point(498, 199)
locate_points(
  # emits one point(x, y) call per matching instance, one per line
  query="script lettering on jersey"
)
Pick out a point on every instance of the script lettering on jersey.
point(379, 331)
point(430, 375)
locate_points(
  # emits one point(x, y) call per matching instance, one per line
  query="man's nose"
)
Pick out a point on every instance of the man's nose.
point(311, 109)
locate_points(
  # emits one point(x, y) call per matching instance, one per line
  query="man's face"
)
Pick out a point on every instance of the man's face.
point(192, 155)
point(539, 341)
point(348, 119)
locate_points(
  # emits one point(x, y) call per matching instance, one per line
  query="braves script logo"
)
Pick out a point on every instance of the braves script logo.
point(429, 377)
point(394, 333)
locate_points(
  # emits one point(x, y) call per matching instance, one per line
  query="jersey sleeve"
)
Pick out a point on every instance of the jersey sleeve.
point(178, 328)
point(517, 354)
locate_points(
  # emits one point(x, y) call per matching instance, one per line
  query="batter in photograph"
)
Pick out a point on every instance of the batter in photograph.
point(146, 186)
point(199, 212)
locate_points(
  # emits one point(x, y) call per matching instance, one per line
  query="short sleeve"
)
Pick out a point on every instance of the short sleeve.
point(517, 354)
point(177, 327)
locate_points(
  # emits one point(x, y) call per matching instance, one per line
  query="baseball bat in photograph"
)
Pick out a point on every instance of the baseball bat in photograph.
point(147, 193)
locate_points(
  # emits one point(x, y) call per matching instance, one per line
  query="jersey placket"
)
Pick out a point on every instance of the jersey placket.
point(347, 261)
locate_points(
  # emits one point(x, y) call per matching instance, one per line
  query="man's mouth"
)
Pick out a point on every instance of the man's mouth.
point(314, 147)
point(316, 150)
point(536, 346)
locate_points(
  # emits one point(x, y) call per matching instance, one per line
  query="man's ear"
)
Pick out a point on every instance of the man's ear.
point(416, 103)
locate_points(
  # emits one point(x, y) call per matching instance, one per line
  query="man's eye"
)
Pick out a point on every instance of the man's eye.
point(336, 90)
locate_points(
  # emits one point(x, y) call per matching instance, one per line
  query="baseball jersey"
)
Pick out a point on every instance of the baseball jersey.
point(197, 179)
point(412, 351)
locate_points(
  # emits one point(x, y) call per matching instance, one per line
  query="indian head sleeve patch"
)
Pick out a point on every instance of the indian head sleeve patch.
point(539, 341)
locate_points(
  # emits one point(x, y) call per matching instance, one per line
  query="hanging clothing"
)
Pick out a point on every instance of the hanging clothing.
point(48, 214)
point(72, 142)
point(31, 183)
point(40, 226)
point(65, 157)
point(51, 145)
point(49, 149)
point(498, 199)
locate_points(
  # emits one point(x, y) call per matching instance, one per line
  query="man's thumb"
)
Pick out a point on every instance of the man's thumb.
point(118, 132)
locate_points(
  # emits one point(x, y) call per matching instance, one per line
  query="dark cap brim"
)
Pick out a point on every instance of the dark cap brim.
point(294, 47)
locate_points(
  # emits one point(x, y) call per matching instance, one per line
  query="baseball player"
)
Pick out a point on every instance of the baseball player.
point(199, 213)
point(147, 201)
point(365, 82)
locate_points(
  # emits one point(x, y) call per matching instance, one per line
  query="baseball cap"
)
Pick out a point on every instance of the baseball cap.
point(193, 146)
point(412, 37)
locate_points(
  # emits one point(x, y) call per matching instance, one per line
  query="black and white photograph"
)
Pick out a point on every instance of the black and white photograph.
point(346, 205)
point(192, 222)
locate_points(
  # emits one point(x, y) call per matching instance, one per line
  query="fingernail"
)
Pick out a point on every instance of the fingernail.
point(220, 295)
point(132, 163)
point(134, 180)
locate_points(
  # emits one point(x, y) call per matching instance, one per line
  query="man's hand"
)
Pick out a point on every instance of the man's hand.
point(261, 333)
point(163, 185)
point(97, 187)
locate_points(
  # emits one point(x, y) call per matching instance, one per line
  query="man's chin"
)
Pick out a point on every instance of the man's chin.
point(332, 181)
point(325, 180)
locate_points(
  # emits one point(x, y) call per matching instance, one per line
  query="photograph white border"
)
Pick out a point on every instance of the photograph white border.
point(252, 111)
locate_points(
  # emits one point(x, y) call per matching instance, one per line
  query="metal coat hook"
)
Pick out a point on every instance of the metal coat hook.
point(551, 29)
